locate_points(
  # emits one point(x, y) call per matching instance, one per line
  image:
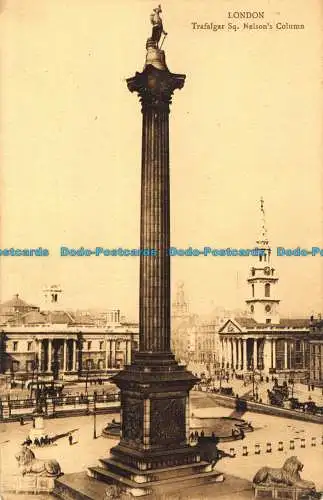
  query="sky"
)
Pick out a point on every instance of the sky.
point(248, 123)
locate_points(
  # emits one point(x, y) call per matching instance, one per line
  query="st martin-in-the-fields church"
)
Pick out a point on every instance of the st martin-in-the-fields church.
point(262, 340)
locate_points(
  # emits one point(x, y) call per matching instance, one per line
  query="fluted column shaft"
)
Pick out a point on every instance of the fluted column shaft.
point(155, 232)
point(155, 88)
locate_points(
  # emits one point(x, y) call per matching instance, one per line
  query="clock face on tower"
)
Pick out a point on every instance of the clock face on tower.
point(267, 270)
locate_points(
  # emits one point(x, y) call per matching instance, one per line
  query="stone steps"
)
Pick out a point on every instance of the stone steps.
point(156, 474)
point(79, 487)
point(140, 489)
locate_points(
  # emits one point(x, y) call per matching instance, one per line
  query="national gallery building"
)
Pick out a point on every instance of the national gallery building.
point(61, 344)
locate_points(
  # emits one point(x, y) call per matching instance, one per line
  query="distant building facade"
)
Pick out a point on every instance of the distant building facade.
point(316, 352)
point(182, 326)
point(61, 344)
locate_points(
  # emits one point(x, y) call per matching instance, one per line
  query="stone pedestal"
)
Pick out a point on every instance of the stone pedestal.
point(39, 430)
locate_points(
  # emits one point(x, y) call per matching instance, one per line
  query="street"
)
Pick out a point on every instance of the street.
point(86, 451)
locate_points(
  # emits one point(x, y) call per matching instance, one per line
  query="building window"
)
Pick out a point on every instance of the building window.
point(89, 345)
point(101, 345)
point(253, 289)
point(268, 320)
point(267, 290)
point(29, 366)
point(29, 346)
point(15, 366)
point(118, 345)
point(15, 346)
point(252, 308)
point(267, 308)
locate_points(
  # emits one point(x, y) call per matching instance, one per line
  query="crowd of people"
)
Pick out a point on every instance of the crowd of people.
point(42, 441)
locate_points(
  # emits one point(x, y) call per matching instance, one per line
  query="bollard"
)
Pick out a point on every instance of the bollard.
point(232, 452)
point(302, 443)
point(280, 446)
point(313, 441)
point(268, 448)
point(257, 449)
point(292, 444)
point(244, 451)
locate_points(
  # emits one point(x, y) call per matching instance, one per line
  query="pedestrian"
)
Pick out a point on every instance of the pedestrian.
point(70, 439)
point(21, 420)
point(202, 434)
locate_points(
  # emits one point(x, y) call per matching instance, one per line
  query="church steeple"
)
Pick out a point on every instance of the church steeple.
point(263, 303)
point(180, 306)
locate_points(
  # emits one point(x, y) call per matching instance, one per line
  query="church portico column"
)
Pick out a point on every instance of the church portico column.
point(241, 353)
point(285, 355)
point(244, 347)
point(273, 353)
point(234, 354)
point(226, 353)
point(229, 353)
point(255, 353)
point(267, 355)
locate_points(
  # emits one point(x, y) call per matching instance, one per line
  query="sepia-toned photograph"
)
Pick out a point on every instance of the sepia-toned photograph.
point(161, 249)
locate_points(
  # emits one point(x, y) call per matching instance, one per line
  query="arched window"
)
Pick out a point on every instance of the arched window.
point(253, 289)
point(267, 290)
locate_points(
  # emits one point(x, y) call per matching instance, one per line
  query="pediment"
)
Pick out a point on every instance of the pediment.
point(230, 327)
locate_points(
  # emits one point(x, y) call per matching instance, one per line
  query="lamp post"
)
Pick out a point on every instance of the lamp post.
point(253, 380)
point(94, 416)
point(33, 377)
point(221, 373)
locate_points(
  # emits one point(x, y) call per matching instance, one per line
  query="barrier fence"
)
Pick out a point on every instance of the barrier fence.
point(280, 446)
point(14, 409)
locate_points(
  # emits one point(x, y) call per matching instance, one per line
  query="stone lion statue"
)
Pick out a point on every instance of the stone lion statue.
point(115, 492)
point(29, 464)
point(288, 475)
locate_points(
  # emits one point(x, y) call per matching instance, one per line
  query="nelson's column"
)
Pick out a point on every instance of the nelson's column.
point(154, 444)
